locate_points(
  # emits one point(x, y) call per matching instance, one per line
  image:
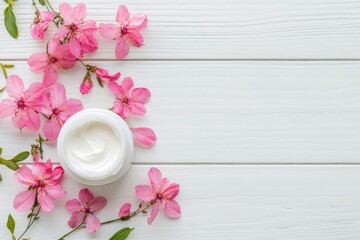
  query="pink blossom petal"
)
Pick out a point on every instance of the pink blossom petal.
point(172, 191)
point(38, 62)
point(75, 47)
point(50, 76)
point(135, 39)
point(55, 192)
point(32, 120)
point(53, 46)
point(122, 14)
point(121, 109)
point(125, 210)
point(137, 109)
point(108, 31)
point(35, 93)
point(164, 183)
point(140, 95)
point(24, 200)
point(62, 32)
point(57, 95)
point(85, 195)
point(139, 21)
point(38, 170)
point(124, 111)
point(154, 212)
point(172, 209)
point(79, 11)
point(19, 119)
point(56, 176)
point(72, 106)
point(45, 201)
point(115, 88)
point(73, 205)
point(91, 44)
point(121, 49)
point(51, 130)
point(104, 75)
point(7, 108)
point(126, 84)
point(144, 136)
point(47, 16)
point(155, 177)
point(77, 218)
point(92, 223)
point(66, 12)
point(24, 175)
point(14, 86)
point(145, 193)
point(97, 204)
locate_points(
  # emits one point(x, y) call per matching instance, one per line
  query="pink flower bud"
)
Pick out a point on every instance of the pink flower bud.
point(86, 85)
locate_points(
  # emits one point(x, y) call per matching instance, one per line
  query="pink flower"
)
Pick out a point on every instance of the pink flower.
point(79, 32)
point(104, 75)
point(125, 210)
point(161, 193)
point(44, 186)
point(83, 211)
point(129, 101)
point(57, 57)
point(41, 23)
point(144, 136)
point(23, 105)
point(58, 110)
point(86, 85)
point(127, 32)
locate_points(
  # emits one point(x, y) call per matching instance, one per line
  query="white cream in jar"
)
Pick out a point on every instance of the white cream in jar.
point(95, 146)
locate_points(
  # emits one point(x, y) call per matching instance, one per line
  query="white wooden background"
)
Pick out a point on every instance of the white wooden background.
point(256, 105)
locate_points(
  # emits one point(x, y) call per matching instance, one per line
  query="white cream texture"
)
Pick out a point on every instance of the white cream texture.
point(94, 148)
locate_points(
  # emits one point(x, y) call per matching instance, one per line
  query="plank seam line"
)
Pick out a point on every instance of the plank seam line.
point(211, 60)
point(240, 164)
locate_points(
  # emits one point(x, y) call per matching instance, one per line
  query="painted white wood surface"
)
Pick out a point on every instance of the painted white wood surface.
point(208, 29)
point(224, 202)
point(232, 112)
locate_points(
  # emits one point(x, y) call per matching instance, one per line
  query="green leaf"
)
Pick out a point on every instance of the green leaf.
point(9, 65)
point(42, 2)
point(0, 178)
point(122, 234)
point(0, 151)
point(12, 165)
point(10, 22)
point(4, 71)
point(11, 224)
point(13, 237)
point(21, 156)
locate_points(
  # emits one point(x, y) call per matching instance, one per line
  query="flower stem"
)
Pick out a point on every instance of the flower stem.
point(120, 219)
point(34, 4)
point(67, 234)
point(33, 217)
point(47, 3)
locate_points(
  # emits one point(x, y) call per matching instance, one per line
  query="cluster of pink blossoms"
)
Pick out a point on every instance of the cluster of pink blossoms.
point(27, 106)
point(44, 184)
point(75, 37)
point(160, 194)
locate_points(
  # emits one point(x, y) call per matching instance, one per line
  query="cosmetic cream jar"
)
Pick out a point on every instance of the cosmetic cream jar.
point(95, 146)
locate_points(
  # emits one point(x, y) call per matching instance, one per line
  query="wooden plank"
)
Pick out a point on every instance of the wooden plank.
point(199, 29)
point(221, 202)
point(231, 112)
